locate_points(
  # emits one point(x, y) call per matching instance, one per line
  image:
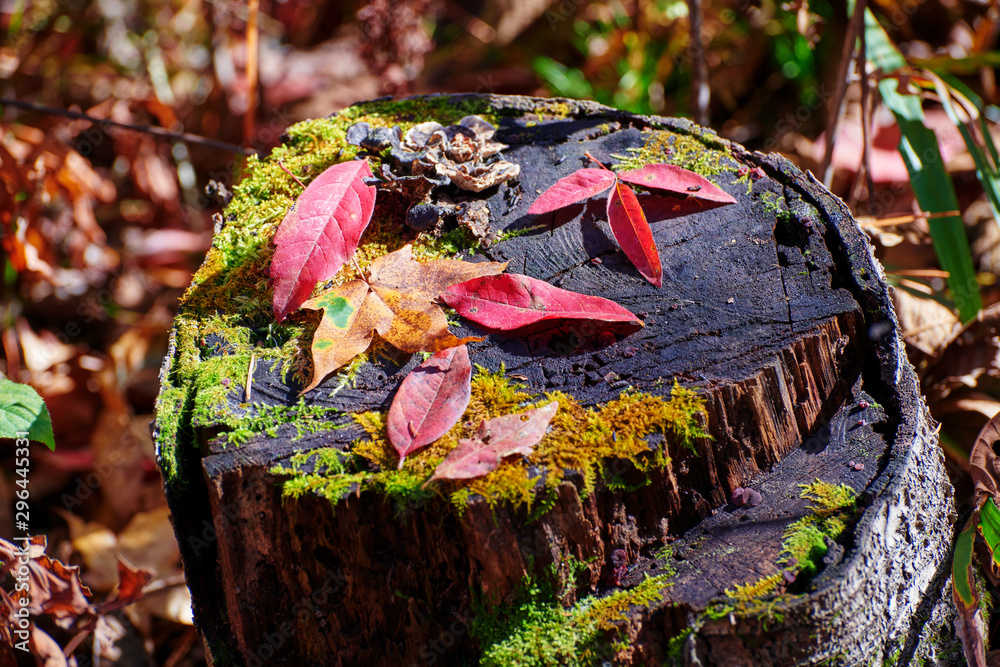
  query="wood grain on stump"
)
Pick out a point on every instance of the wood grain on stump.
point(773, 309)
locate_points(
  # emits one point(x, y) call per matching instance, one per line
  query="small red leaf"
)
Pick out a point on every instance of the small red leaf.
point(511, 301)
point(496, 439)
point(677, 180)
point(580, 185)
point(320, 233)
point(629, 226)
point(430, 400)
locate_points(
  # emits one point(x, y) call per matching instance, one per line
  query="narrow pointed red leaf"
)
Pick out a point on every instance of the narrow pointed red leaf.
point(320, 233)
point(496, 439)
point(677, 180)
point(430, 400)
point(511, 301)
point(581, 184)
point(629, 226)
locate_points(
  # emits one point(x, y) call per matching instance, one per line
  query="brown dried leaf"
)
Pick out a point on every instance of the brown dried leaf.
point(984, 463)
point(397, 301)
point(131, 581)
point(53, 588)
point(45, 649)
point(924, 323)
point(968, 357)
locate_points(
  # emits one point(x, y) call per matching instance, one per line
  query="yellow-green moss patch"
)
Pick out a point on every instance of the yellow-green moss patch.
point(703, 154)
point(537, 631)
point(804, 543)
point(226, 317)
point(635, 427)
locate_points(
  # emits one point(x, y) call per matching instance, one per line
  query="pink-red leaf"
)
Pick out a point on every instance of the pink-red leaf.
point(677, 180)
point(581, 184)
point(629, 226)
point(320, 233)
point(430, 400)
point(496, 439)
point(511, 301)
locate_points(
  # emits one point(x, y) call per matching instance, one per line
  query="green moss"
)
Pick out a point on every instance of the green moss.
point(169, 410)
point(804, 543)
point(229, 300)
point(635, 427)
point(537, 631)
point(703, 154)
point(675, 646)
point(267, 419)
point(755, 589)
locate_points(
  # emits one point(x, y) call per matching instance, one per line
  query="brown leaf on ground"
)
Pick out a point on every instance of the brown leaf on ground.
point(984, 462)
point(53, 588)
point(970, 355)
point(131, 581)
point(45, 649)
point(924, 323)
point(147, 542)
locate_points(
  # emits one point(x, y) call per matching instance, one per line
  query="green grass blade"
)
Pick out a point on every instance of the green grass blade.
point(989, 528)
point(986, 169)
point(964, 587)
point(562, 80)
point(961, 66)
point(930, 181)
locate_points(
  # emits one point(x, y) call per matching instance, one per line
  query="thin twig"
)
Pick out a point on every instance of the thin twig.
point(597, 161)
point(252, 51)
point(919, 273)
point(250, 368)
point(285, 169)
point(868, 221)
point(358, 269)
point(700, 91)
point(840, 91)
point(147, 129)
point(866, 116)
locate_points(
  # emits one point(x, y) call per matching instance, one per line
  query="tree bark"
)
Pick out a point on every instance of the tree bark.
point(773, 309)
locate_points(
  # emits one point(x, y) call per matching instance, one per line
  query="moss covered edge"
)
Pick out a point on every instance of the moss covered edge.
point(638, 428)
point(225, 322)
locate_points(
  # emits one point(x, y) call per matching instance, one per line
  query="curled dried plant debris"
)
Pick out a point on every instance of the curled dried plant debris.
point(475, 216)
point(463, 154)
point(984, 464)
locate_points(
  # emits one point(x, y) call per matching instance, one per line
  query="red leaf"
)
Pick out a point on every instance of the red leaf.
point(580, 185)
point(320, 233)
point(629, 226)
point(495, 439)
point(677, 180)
point(430, 400)
point(511, 301)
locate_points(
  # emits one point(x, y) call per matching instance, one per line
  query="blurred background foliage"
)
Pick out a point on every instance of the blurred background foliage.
point(102, 225)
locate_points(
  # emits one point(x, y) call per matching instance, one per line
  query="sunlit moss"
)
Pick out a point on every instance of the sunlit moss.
point(535, 630)
point(704, 153)
point(804, 542)
point(639, 428)
point(229, 300)
point(756, 589)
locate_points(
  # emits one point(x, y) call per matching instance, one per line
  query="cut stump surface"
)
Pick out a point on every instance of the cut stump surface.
point(773, 310)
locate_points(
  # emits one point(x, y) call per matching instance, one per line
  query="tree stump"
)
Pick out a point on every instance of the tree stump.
point(772, 310)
